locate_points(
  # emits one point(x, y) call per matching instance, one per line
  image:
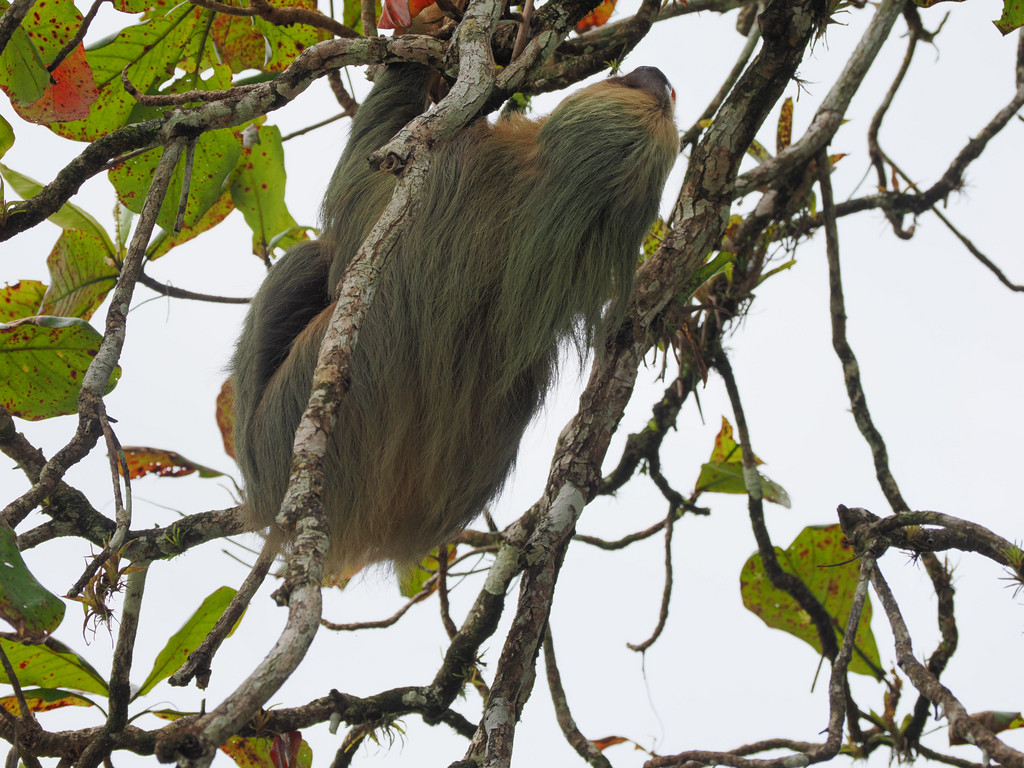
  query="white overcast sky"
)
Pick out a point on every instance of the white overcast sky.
point(938, 343)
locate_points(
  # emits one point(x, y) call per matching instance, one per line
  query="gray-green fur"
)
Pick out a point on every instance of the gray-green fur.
point(528, 228)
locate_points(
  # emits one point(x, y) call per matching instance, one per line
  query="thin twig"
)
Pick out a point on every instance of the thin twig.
point(960, 722)
point(186, 183)
point(180, 293)
point(368, 17)
point(315, 126)
point(666, 594)
point(442, 594)
point(942, 581)
point(423, 594)
point(788, 582)
point(583, 746)
point(348, 104)
point(976, 253)
point(874, 150)
point(851, 371)
point(281, 16)
point(197, 665)
point(79, 36)
point(522, 36)
point(625, 541)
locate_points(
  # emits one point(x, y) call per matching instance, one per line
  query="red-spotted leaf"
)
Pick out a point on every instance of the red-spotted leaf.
point(69, 96)
point(23, 75)
point(22, 299)
point(257, 189)
point(44, 699)
point(823, 560)
point(150, 52)
point(282, 44)
point(144, 461)
point(35, 93)
point(1012, 18)
point(82, 273)
point(187, 639)
point(164, 241)
point(42, 362)
point(216, 156)
point(51, 665)
point(25, 604)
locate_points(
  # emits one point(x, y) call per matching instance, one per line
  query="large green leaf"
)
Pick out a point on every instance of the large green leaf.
point(823, 560)
point(52, 665)
point(216, 154)
point(186, 639)
point(257, 188)
point(150, 50)
point(42, 362)
point(24, 602)
point(23, 75)
point(67, 217)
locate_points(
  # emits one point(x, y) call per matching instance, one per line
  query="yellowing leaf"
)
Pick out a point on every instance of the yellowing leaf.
point(144, 461)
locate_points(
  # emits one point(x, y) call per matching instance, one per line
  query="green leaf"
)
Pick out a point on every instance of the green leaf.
point(352, 16)
point(216, 155)
point(724, 472)
point(284, 43)
point(411, 578)
point(22, 299)
point(6, 136)
point(82, 273)
point(257, 188)
point(44, 699)
point(67, 217)
point(150, 50)
point(23, 75)
point(1012, 18)
point(42, 362)
point(51, 665)
point(24, 603)
point(186, 639)
point(821, 558)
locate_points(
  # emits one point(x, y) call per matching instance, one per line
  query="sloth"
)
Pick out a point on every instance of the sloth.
point(528, 228)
